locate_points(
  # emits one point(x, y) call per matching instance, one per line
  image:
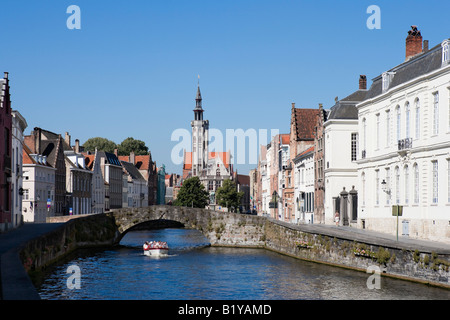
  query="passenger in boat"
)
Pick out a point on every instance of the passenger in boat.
point(146, 246)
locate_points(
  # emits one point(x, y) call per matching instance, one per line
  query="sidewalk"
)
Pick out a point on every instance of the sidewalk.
point(372, 237)
point(14, 281)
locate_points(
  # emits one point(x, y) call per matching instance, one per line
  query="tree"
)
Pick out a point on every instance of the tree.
point(228, 196)
point(132, 145)
point(192, 194)
point(102, 144)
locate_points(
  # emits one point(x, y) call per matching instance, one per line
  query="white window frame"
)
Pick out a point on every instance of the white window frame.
point(398, 113)
point(435, 181)
point(407, 120)
point(388, 127)
point(435, 113)
point(406, 173)
point(378, 131)
point(416, 183)
point(445, 52)
point(377, 187)
point(397, 185)
point(417, 106)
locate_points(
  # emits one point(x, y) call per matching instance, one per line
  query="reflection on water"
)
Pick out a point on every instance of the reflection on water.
point(193, 270)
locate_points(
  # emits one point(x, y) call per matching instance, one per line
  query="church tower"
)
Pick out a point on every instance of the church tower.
point(199, 137)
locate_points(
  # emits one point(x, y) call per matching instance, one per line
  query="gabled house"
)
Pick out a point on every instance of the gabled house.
point(38, 189)
point(78, 179)
point(92, 162)
point(137, 195)
point(50, 145)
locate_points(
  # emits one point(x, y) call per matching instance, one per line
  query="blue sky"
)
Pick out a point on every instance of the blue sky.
point(131, 70)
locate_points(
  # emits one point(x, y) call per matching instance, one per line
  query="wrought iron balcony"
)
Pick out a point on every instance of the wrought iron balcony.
point(404, 144)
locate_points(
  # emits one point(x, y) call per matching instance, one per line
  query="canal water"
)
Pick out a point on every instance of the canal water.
point(195, 271)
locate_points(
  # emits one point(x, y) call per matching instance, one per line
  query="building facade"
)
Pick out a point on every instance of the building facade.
point(404, 156)
point(304, 187)
point(5, 154)
point(38, 192)
point(19, 124)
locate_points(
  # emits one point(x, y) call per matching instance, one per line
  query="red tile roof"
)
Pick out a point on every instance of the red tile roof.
point(305, 122)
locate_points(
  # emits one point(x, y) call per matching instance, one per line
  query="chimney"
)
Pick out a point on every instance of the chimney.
point(413, 43)
point(77, 146)
point(132, 157)
point(362, 82)
point(6, 75)
point(293, 105)
point(67, 139)
point(425, 45)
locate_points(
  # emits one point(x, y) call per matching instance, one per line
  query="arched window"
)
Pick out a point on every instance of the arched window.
point(416, 183)
point(397, 185)
point(417, 103)
point(363, 180)
point(406, 170)
point(407, 117)
point(398, 112)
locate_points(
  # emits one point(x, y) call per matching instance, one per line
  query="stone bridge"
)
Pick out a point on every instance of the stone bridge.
point(413, 260)
point(220, 228)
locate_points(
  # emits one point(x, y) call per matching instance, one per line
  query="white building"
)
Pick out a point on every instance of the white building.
point(98, 185)
point(404, 126)
point(38, 187)
point(341, 150)
point(304, 186)
point(136, 185)
point(19, 124)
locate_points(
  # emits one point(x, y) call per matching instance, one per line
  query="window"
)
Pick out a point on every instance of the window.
point(398, 122)
point(377, 187)
point(363, 179)
point(354, 146)
point(416, 183)
point(26, 194)
point(435, 181)
point(406, 185)
point(436, 113)
point(417, 118)
point(407, 116)
point(397, 185)
point(385, 81)
point(388, 185)
point(364, 133)
point(445, 52)
point(388, 127)
point(448, 180)
point(378, 130)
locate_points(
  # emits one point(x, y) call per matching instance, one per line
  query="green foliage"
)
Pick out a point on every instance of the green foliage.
point(228, 196)
point(192, 193)
point(102, 144)
point(382, 255)
point(132, 145)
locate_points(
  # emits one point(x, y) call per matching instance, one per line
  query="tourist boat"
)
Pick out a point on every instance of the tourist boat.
point(155, 248)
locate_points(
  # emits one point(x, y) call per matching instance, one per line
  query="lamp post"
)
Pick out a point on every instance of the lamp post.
point(386, 190)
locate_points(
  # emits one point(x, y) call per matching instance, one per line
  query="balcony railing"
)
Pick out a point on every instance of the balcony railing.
point(404, 144)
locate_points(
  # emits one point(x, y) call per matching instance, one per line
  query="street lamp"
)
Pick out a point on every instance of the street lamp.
point(384, 187)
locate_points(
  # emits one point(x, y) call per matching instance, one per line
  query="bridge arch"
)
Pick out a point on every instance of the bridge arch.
point(220, 228)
